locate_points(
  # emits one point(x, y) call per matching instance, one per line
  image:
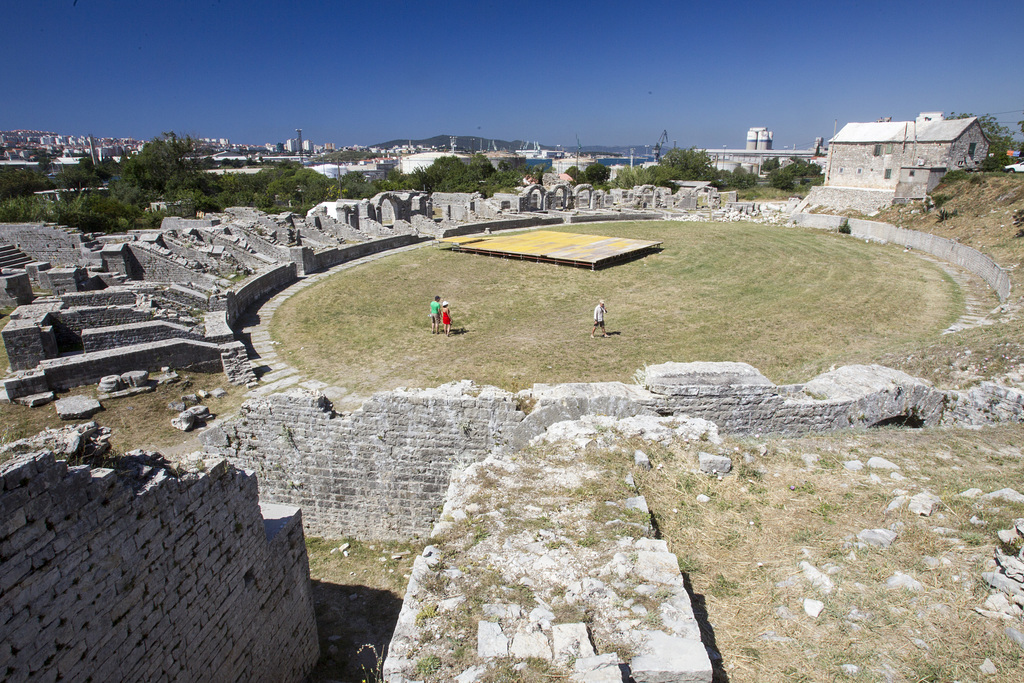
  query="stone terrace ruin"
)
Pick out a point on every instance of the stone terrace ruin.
point(171, 297)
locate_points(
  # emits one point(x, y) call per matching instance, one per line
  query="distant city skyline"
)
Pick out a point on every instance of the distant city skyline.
point(611, 74)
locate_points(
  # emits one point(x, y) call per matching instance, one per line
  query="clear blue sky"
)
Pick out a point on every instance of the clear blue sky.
point(614, 73)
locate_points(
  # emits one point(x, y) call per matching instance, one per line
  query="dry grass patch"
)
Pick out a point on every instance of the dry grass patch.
point(142, 421)
point(357, 598)
point(789, 301)
point(742, 551)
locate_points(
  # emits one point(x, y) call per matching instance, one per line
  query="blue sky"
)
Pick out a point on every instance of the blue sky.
point(613, 73)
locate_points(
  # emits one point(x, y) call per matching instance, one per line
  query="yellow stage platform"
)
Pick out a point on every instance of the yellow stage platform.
point(565, 248)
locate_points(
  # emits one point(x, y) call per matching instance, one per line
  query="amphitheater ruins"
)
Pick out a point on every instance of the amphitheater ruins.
point(163, 571)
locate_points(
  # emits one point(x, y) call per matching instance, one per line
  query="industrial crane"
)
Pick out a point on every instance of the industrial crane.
point(657, 147)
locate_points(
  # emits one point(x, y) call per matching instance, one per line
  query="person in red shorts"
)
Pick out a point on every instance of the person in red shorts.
point(446, 319)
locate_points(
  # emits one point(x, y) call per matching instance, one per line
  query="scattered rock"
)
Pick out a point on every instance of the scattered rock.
point(637, 503)
point(813, 607)
point(1015, 635)
point(185, 421)
point(701, 498)
point(988, 668)
point(641, 460)
point(850, 669)
point(1008, 495)
point(135, 378)
point(881, 538)
point(970, 493)
point(490, 641)
point(853, 465)
point(35, 400)
point(714, 464)
point(905, 581)
point(218, 393)
point(923, 503)
point(816, 577)
point(111, 383)
point(877, 463)
point(77, 407)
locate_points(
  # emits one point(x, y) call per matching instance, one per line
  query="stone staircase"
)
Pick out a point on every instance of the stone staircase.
point(12, 257)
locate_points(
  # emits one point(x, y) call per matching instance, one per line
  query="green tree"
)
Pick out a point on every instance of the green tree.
point(21, 182)
point(689, 164)
point(164, 167)
point(77, 177)
point(769, 165)
point(596, 174)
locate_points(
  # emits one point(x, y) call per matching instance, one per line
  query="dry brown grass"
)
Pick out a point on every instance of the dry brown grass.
point(142, 421)
point(789, 301)
point(357, 599)
point(760, 524)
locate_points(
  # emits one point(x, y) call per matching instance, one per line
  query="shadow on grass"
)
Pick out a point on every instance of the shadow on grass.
point(355, 624)
point(707, 632)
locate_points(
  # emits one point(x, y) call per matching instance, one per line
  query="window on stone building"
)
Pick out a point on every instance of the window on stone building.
point(970, 149)
point(859, 170)
point(878, 150)
point(888, 148)
point(888, 173)
point(911, 174)
point(840, 169)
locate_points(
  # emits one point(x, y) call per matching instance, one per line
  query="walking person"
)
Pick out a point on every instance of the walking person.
point(435, 315)
point(599, 319)
point(446, 319)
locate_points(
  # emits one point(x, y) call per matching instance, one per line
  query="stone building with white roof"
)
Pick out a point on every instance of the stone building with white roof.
point(908, 158)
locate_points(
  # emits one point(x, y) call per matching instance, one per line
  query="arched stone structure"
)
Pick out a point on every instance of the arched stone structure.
point(583, 196)
point(535, 197)
point(560, 197)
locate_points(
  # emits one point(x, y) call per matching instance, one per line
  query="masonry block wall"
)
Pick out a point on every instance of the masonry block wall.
point(60, 246)
point(378, 473)
point(954, 252)
point(155, 267)
point(240, 298)
point(143, 575)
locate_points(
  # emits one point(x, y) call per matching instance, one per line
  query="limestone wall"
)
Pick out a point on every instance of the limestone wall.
point(243, 296)
point(156, 267)
point(59, 246)
point(331, 257)
point(948, 250)
point(99, 338)
point(90, 368)
point(377, 473)
point(141, 575)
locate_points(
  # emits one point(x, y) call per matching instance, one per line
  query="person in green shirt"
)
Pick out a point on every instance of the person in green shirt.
point(435, 315)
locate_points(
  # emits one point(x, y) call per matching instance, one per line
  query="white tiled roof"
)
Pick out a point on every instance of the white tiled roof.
point(898, 131)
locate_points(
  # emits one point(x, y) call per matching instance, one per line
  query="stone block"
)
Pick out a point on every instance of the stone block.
point(571, 641)
point(77, 407)
point(719, 465)
point(668, 659)
point(490, 641)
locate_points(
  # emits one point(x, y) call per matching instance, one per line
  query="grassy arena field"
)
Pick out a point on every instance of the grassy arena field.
point(789, 301)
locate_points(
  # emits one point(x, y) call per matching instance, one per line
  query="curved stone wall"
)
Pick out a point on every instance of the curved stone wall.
point(948, 250)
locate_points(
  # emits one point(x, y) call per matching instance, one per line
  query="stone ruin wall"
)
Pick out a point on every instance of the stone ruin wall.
point(149, 576)
point(380, 472)
point(966, 257)
point(46, 242)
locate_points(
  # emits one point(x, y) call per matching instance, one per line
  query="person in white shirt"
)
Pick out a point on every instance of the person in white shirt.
point(599, 319)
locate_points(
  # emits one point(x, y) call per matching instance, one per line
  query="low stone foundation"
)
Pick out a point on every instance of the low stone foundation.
point(381, 471)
